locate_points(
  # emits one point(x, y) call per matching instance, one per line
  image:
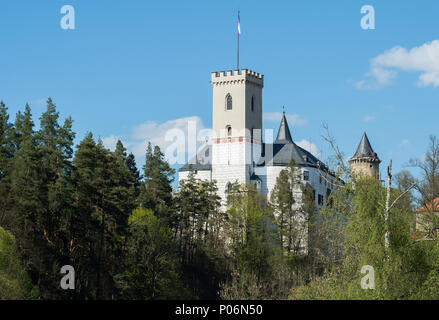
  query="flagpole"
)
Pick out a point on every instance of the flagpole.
point(238, 42)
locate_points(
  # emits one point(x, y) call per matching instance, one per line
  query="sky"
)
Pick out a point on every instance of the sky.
point(132, 70)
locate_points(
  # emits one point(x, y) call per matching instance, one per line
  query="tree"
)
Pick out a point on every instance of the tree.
point(286, 199)
point(151, 264)
point(428, 185)
point(6, 154)
point(251, 232)
point(15, 284)
point(104, 196)
point(156, 190)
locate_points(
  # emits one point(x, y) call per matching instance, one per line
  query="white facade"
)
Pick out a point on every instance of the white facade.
point(237, 152)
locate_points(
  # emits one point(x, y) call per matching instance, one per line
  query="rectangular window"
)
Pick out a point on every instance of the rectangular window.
point(306, 175)
point(320, 200)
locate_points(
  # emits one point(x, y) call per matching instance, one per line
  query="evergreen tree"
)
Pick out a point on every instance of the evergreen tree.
point(24, 126)
point(6, 154)
point(105, 197)
point(156, 191)
point(151, 265)
point(290, 218)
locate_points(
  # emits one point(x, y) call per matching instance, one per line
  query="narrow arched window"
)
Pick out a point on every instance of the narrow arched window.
point(229, 131)
point(229, 102)
point(253, 104)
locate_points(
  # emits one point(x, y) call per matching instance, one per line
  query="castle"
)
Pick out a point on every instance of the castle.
point(237, 151)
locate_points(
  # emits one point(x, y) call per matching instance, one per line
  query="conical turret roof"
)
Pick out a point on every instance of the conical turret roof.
point(365, 150)
point(284, 135)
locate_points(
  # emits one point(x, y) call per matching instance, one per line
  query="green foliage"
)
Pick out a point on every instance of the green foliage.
point(138, 239)
point(151, 262)
point(291, 217)
point(14, 282)
point(156, 190)
point(403, 271)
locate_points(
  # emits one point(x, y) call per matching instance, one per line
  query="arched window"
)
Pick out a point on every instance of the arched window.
point(229, 131)
point(229, 102)
point(253, 104)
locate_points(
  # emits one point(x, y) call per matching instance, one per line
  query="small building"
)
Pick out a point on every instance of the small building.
point(365, 161)
point(425, 218)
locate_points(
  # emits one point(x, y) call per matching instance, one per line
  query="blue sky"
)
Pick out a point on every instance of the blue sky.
point(130, 69)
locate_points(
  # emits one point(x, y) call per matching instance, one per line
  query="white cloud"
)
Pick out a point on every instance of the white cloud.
point(308, 146)
point(293, 119)
point(369, 118)
point(174, 133)
point(423, 59)
point(111, 141)
point(405, 142)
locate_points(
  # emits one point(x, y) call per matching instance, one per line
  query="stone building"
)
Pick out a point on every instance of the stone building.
point(237, 151)
point(365, 161)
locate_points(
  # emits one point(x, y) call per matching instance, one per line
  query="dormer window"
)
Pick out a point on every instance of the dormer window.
point(228, 102)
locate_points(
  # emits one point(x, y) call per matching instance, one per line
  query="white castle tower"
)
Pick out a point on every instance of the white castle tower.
point(237, 126)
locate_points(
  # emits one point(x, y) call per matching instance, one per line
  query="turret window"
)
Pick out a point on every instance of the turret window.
point(229, 102)
point(253, 104)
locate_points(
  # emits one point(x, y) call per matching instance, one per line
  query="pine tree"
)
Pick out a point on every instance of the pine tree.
point(156, 191)
point(151, 264)
point(105, 197)
point(24, 126)
point(6, 154)
point(288, 209)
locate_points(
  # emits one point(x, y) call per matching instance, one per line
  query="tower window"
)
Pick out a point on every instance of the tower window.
point(253, 104)
point(229, 102)
point(229, 131)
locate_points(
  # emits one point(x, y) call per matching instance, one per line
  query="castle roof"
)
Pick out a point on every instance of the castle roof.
point(284, 135)
point(365, 150)
point(283, 150)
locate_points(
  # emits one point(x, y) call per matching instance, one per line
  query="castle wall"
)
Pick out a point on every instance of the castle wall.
point(365, 167)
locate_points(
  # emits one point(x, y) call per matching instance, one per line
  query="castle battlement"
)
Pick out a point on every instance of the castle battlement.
point(236, 76)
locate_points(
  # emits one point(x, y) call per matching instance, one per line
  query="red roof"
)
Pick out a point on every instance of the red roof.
point(428, 207)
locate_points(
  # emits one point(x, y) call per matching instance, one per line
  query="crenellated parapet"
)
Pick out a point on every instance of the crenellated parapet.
point(236, 77)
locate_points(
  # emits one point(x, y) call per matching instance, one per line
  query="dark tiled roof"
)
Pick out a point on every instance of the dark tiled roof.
point(284, 135)
point(254, 177)
point(284, 152)
point(365, 150)
point(284, 149)
point(202, 161)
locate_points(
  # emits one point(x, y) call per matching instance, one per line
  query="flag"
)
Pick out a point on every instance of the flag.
point(239, 25)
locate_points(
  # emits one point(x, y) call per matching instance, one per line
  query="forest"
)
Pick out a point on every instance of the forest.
point(130, 235)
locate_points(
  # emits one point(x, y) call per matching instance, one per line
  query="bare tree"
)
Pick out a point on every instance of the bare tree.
point(428, 185)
